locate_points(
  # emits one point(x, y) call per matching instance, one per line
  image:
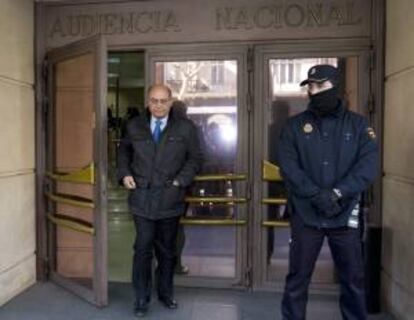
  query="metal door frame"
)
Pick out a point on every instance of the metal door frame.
point(97, 46)
point(248, 53)
point(375, 41)
point(262, 55)
point(168, 53)
point(253, 82)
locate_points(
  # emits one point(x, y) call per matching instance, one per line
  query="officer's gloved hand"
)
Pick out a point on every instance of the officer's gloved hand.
point(326, 201)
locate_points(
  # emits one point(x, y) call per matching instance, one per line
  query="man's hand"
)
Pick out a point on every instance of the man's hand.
point(129, 182)
point(327, 202)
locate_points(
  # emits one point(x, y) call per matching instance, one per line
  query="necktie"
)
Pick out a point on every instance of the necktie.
point(156, 134)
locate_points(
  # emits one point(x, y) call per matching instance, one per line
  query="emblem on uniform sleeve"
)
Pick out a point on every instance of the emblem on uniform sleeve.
point(307, 128)
point(371, 133)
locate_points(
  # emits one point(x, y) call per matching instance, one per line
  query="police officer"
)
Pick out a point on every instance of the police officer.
point(328, 157)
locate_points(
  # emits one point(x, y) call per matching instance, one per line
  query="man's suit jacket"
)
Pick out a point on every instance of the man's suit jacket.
point(155, 166)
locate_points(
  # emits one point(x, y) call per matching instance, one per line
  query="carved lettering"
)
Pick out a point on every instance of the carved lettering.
point(335, 14)
point(143, 22)
point(315, 16)
point(57, 28)
point(127, 23)
point(242, 20)
point(74, 26)
point(171, 22)
point(115, 23)
point(319, 14)
point(276, 15)
point(223, 19)
point(88, 25)
point(263, 17)
point(294, 15)
point(156, 21)
point(110, 23)
point(349, 20)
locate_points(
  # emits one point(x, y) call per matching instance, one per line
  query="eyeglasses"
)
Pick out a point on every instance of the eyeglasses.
point(158, 101)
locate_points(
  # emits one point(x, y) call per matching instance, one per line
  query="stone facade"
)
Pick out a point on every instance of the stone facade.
point(17, 148)
point(398, 181)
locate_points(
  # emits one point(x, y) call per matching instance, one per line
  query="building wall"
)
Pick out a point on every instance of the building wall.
point(398, 181)
point(17, 188)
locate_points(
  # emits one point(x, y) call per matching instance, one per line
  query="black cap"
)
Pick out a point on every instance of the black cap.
point(321, 73)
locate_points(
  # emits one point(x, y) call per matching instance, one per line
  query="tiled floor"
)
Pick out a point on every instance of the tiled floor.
point(45, 301)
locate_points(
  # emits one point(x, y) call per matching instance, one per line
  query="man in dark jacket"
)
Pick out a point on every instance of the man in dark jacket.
point(328, 157)
point(158, 158)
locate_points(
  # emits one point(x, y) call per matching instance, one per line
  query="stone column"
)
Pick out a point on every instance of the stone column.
point(398, 181)
point(17, 148)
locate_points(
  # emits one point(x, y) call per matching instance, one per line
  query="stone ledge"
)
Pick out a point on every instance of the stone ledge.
point(15, 280)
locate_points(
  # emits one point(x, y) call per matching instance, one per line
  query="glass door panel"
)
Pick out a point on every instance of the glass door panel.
point(206, 91)
point(285, 98)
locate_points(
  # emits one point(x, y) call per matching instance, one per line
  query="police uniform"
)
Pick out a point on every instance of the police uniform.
point(335, 152)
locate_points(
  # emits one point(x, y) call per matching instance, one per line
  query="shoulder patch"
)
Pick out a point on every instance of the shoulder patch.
point(371, 133)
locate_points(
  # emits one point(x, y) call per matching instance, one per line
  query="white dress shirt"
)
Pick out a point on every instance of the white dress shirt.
point(163, 122)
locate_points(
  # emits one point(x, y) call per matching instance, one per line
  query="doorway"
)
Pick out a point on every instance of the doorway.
point(236, 227)
point(277, 97)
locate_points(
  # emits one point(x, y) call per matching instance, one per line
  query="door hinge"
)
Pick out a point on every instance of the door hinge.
point(248, 191)
point(46, 186)
point(369, 197)
point(372, 59)
point(250, 69)
point(45, 98)
point(45, 109)
point(248, 277)
point(371, 104)
point(250, 60)
point(249, 101)
point(45, 69)
point(46, 266)
point(93, 124)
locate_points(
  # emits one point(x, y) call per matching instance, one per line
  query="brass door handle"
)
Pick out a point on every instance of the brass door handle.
point(274, 201)
point(84, 175)
point(66, 222)
point(72, 200)
point(277, 224)
point(215, 200)
point(270, 172)
point(221, 177)
point(213, 222)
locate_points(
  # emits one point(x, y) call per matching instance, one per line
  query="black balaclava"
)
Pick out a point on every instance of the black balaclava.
point(325, 102)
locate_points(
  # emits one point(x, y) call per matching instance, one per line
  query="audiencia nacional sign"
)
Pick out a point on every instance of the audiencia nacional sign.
point(201, 21)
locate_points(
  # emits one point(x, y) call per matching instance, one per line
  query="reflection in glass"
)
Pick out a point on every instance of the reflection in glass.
point(210, 251)
point(287, 99)
point(208, 90)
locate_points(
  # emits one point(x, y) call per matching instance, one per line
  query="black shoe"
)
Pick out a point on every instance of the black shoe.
point(181, 270)
point(168, 302)
point(141, 308)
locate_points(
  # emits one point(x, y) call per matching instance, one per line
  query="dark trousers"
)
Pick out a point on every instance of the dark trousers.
point(181, 238)
point(180, 245)
point(346, 249)
point(157, 236)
